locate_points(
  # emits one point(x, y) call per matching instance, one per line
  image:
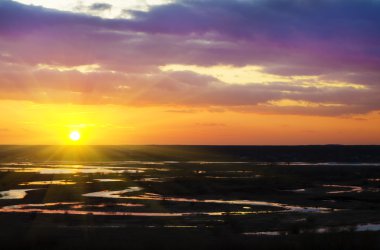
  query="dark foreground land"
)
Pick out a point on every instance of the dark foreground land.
point(323, 153)
point(190, 197)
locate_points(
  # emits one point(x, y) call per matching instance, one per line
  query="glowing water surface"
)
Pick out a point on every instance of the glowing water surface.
point(118, 195)
point(349, 189)
point(112, 194)
point(53, 182)
point(109, 180)
point(14, 194)
point(76, 169)
point(72, 209)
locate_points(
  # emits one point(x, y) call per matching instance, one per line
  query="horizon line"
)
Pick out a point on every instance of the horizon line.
point(213, 145)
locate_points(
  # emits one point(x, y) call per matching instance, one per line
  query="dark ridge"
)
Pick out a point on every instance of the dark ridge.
point(323, 153)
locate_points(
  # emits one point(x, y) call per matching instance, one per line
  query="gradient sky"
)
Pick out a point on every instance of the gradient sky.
point(190, 72)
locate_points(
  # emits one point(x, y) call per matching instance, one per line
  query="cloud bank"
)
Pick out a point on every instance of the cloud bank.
point(281, 56)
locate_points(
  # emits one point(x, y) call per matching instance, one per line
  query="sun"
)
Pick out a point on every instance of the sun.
point(74, 135)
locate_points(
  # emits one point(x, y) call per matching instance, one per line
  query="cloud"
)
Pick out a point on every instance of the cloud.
point(182, 89)
point(217, 54)
point(100, 7)
point(109, 9)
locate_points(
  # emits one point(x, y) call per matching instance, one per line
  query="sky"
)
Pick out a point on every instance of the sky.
point(259, 72)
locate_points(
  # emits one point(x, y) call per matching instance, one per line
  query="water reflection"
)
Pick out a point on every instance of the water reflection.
point(300, 190)
point(112, 194)
point(348, 189)
point(230, 177)
point(78, 169)
point(374, 179)
point(106, 205)
point(85, 170)
point(269, 233)
point(368, 227)
point(67, 170)
point(156, 197)
point(323, 230)
point(14, 194)
point(151, 179)
point(53, 182)
point(71, 208)
point(109, 180)
point(216, 162)
point(180, 226)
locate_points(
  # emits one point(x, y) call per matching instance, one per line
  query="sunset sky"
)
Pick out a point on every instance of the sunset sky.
point(258, 72)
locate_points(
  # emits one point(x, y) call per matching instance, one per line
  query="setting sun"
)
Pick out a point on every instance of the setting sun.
point(74, 135)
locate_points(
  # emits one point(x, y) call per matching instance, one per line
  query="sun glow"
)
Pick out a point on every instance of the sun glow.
point(74, 135)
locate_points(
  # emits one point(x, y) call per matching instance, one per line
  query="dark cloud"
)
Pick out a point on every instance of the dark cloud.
point(287, 37)
point(100, 7)
point(280, 19)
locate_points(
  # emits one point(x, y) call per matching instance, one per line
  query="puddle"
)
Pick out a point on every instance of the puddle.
point(324, 230)
point(374, 180)
point(41, 208)
point(230, 177)
point(368, 227)
point(54, 182)
point(146, 196)
point(364, 164)
point(112, 194)
point(108, 180)
point(355, 228)
point(79, 170)
point(18, 169)
point(84, 170)
point(145, 162)
point(237, 172)
point(199, 172)
point(152, 179)
point(300, 190)
point(48, 208)
point(349, 189)
point(269, 233)
point(73, 169)
point(91, 226)
point(217, 162)
point(14, 194)
point(16, 164)
point(179, 226)
point(106, 205)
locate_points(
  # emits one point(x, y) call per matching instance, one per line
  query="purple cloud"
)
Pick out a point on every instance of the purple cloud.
point(333, 40)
